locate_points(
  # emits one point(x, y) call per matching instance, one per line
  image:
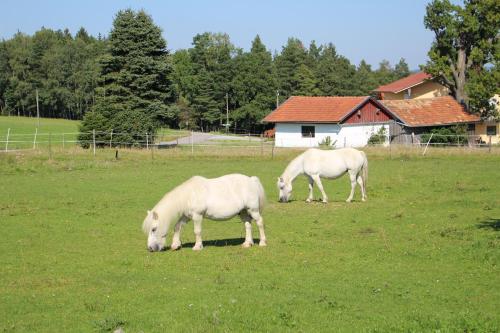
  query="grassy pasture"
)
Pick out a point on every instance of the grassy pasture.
point(421, 255)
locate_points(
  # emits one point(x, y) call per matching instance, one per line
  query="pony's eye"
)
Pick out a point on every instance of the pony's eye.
point(153, 230)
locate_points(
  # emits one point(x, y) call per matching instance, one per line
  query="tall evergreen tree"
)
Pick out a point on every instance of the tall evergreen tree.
point(288, 63)
point(335, 73)
point(136, 87)
point(401, 69)
point(253, 86)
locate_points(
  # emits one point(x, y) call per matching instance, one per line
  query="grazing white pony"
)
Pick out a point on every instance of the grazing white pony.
point(316, 164)
point(218, 199)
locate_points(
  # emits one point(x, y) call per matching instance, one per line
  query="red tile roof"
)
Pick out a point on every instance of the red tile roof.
point(404, 83)
point(430, 111)
point(314, 109)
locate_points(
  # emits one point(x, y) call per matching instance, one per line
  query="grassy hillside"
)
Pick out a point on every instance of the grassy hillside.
point(25, 125)
point(421, 255)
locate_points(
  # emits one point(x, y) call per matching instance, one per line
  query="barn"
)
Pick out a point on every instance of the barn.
point(349, 121)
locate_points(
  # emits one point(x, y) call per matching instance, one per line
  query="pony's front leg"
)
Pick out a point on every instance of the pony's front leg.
point(176, 240)
point(317, 180)
point(198, 245)
point(311, 185)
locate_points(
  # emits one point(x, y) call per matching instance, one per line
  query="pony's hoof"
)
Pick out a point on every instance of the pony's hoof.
point(262, 243)
point(308, 200)
point(246, 245)
point(348, 200)
point(175, 246)
point(197, 247)
point(324, 201)
point(364, 199)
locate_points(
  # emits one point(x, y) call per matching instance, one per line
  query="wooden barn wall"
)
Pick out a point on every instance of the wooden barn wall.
point(368, 113)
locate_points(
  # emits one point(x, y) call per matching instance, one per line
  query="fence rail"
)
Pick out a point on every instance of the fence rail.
point(254, 143)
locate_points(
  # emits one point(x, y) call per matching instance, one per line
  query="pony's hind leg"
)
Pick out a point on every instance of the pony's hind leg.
point(247, 220)
point(362, 186)
point(352, 176)
point(198, 245)
point(260, 223)
point(311, 185)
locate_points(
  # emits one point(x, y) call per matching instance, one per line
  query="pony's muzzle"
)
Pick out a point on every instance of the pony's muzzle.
point(156, 248)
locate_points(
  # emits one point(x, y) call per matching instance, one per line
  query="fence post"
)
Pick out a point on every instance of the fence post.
point(93, 139)
point(34, 140)
point(7, 142)
point(192, 143)
point(63, 140)
point(147, 141)
point(489, 145)
point(261, 144)
point(427, 145)
point(111, 138)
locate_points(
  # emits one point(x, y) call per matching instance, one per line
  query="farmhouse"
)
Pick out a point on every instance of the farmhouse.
point(414, 86)
point(303, 121)
point(422, 86)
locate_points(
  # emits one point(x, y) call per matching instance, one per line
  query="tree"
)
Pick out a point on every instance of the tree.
point(211, 56)
point(334, 73)
point(365, 81)
point(5, 74)
point(401, 69)
point(307, 84)
point(135, 89)
point(465, 39)
point(288, 63)
point(253, 86)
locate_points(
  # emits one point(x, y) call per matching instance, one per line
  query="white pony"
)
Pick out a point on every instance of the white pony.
point(316, 163)
point(218, 199)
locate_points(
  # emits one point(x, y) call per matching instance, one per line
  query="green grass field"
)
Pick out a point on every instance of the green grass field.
point(421, 255)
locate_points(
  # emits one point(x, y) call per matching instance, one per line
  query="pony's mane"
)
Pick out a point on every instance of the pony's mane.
point(293, 168)
point(169, 206)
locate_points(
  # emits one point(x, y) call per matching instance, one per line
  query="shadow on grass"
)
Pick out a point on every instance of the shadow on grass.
point(493, 224)
point(221, 242)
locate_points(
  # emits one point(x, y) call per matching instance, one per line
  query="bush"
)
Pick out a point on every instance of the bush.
point(327, 143)
point(378, 138)
point(446, 135)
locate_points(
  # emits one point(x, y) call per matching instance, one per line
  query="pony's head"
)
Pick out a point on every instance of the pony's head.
point(155, 231)
point(285, 189)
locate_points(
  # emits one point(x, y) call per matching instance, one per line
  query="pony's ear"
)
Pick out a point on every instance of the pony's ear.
point(149, 212)
point(155, 216)
point(281, 179)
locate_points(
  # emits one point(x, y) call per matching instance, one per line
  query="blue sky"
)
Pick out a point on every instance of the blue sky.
point(360, 29)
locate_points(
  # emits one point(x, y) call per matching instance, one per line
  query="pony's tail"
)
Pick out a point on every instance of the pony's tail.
point(364, 170)
point(261, 193)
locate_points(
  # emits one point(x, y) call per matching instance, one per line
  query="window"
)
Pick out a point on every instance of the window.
point(407, 93)
point(308, 131)
point(490, 130)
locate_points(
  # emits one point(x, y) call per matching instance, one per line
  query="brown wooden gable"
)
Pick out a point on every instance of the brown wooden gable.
point(369, 112)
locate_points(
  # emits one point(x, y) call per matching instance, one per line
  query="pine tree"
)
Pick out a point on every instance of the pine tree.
point(334, 73)
point(401, 69)
point(253, 86)
point(307, 84)
point(288, 62)
point(136, 87)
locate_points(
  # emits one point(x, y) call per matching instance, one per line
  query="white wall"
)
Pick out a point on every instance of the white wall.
point(290, 135)
point(358, 135)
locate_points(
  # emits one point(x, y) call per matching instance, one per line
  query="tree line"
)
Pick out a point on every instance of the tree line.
point(132, 69)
